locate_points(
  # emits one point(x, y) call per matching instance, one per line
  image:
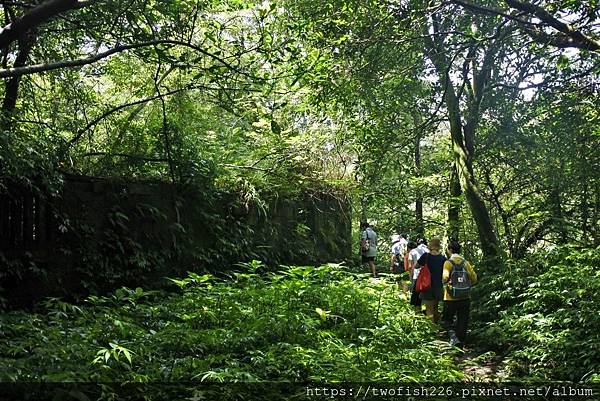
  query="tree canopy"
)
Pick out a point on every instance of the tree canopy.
point(462, 119)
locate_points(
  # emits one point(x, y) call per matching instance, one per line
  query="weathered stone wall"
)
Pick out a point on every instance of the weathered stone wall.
point(101, 234)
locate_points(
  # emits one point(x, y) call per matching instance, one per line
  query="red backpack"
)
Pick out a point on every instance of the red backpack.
point(424, 279)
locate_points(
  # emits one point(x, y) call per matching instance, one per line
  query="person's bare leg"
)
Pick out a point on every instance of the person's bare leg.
point(373, 268)
point(431, 309)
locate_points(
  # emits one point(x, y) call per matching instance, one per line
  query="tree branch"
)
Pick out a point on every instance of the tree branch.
point(571, 38)
point(546, 17)
point(489, 10)
point(37, 16)
point(32, 69)
point(244, 167)
point(121, 107)
point(107, 113)
point(561, 41)
point(165, 128)
point(125, 155)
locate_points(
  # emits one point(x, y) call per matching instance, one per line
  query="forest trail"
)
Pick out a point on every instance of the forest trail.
point(481, 366)
point(478, 364)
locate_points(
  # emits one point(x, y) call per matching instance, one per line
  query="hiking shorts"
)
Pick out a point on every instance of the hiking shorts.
point(367, 259)
point(434, 294)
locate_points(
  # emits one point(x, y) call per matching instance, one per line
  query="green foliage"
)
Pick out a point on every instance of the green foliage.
point(294, 95)
point(259, 103)
point(543, 315)
point(303, 323)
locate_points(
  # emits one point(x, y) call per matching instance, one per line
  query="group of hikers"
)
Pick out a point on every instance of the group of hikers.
point(434, 276)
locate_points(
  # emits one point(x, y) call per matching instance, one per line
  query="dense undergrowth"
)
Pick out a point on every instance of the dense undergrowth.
point(307, 324)
point(542, 316)
point(322, 324)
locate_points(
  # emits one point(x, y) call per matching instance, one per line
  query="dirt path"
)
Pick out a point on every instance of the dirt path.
point(481, 366)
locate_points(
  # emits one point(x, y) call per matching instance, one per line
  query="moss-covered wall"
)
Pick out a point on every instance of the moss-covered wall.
point(108, 233)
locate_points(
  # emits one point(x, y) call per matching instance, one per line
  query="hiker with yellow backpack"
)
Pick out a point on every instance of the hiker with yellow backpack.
point(458, 277)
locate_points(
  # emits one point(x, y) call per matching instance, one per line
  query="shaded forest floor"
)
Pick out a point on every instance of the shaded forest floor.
point(302, 323)
point(299, 324)
point(479, 365)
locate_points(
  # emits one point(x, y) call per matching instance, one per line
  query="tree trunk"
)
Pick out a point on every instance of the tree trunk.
point(596, 218)
point(584, 207)
point(454, 206)
point(584, 179)
point(363, 209)
point(487, 236)
point(463, 138)
point(420, 226)
point(557, 213)
point(464, 165)
point(11, 92)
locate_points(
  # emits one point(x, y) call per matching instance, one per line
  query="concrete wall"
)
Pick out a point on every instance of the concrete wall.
point(101, 234)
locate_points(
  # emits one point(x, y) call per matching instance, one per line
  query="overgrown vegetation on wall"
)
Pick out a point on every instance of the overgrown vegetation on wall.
point(105, 234)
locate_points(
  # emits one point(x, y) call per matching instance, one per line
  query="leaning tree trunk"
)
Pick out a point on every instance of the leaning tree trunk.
point(463, 158)
point(487, 237)
point(463, 138)
point(584, 206)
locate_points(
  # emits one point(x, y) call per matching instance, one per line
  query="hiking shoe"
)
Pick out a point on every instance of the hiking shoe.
point(453, 339)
